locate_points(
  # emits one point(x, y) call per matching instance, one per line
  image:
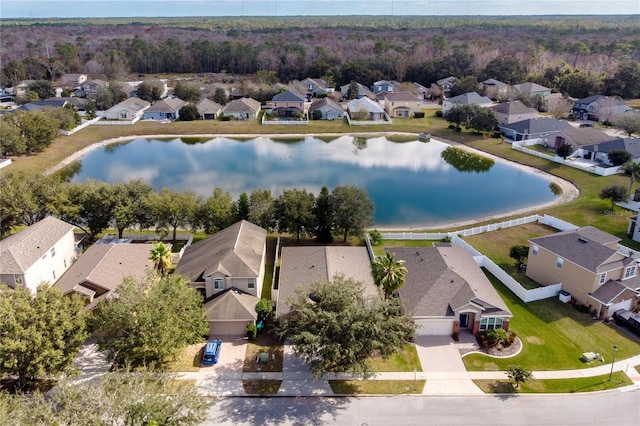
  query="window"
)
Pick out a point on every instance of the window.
point(490, 323)
point(251, 283)
point(65, 262)
point(534, 250)
point(603, 278)
point(559, 262)
point(218, 284)
point(53, 251)
point(54, 275)
point(17, 279)
point(629, 272)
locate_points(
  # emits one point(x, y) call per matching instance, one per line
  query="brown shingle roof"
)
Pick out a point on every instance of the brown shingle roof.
point(231, 304)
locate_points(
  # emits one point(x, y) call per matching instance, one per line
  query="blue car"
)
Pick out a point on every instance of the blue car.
point(212, 352)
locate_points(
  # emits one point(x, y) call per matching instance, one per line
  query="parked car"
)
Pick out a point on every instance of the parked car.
point(212, 352)
point(629, 319)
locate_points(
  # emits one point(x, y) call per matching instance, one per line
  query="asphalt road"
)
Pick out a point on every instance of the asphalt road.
point(599, 408)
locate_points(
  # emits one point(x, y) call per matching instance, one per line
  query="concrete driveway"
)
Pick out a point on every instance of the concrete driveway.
point(90, 362)
point(231, 358)
point(443, 367)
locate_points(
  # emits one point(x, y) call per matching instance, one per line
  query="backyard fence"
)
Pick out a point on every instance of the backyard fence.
point(80, 127)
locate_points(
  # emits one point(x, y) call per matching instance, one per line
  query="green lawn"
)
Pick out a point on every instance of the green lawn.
point(385, 244)
point(407, 360)
point(189, 359)
point(496, 244)
point(554, 336)
point(582, 384)
point(364, 387)
point(264, 344)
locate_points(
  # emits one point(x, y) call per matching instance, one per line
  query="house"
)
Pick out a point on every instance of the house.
point(131, 109)
point(72, 80)
point(513, 111)
point(316, 87)
point(208, 110)
point(243, 109)
point(531, 89)
point(43, 103)
point(365, 109)
point(587, 263)
point(99, 271)
point(470, 98)
point(89, 89)
point(22, 87)
point(38, 254)
point(494, 89)
point(159, 83)
point(600, 152)
point(129, 89)
point(288, 103)
point(446, 292)
point(598, 108)
point(166, 109)
point(423, 92)
point(577, 138)
point(401, 104)
point(363, 91)
point(384, 86)
point(533, 128)
point(232, 257)
point(328, 109)
point(446, 84)
point(230, 311)
point(302, 266)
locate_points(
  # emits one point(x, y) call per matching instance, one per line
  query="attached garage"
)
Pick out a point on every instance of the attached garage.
point(434, 327)
point(625, 304)
point(229, 312)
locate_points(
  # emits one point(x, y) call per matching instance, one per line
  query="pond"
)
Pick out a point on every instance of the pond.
point(410, 182)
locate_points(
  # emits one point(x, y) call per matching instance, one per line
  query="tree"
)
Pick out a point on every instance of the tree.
point(352, 210)
point(578, 84)
point(242, 207)
point(354, 90)
point(43, 89)
point(628, 121)
point(625, 82)
point(618, 157)
point(507, 69)
point(483, 120)
point(615, 193)
point(633, 170)
point(389, 274)
point(564, 150)
point(118, 398)
point(38, 129)
point(148, 91)
point(263, 309)
point(150, 321)
point(216, 212)
point(161, 257)
point(561, 108)
point(187, 92)
point(108, 96)
point(293, 212)
point(459, 114)
point(171, 209)
point(89, 206)
point(261, 208)
point(12, 142)
point(465, 85)
point(518, 374)
point(323, 217)
point(335, 327)
point(41, 332)
point(188, 113)
point(519, 253)
point(130, 204)
point(220, 96)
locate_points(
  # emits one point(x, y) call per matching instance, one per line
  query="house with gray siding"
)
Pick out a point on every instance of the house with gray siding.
point(166, 109)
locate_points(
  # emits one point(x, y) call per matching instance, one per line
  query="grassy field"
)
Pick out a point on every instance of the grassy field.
point(371, 387)
point(554, 336)
point(496, 244)
point(406, 361)
point(582, 384)
point(385, 244)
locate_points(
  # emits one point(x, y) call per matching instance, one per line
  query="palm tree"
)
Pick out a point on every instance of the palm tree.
point(161, 257)
point(633, 169)
point(389, 273)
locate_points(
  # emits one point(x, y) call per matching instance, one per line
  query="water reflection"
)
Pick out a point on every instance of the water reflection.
point(465, 161)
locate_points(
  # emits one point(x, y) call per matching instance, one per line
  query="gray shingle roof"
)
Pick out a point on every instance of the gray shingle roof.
point(607, 292)
point(443, 278)
point(469, 98)
point(586, 136)
point(514, 107)
point(243, 105)
point(207, 106)
point(364, 104)
point(19, 251)
point(235, 251)
point(288, 96)
point(603, 101)
point(631, 145)
point(231, 304)
point(106, 265)
point(583, 246)
point(538, 125)
point(302, 266)
point(401, 97)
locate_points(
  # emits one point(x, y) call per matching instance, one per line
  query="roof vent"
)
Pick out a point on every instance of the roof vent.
point(582, 240)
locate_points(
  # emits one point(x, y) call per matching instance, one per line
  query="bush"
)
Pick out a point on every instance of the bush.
point(439, 113)
point(420, 114)
point(225, 118)
point(252, 331)
point(497, 337)
point(375, 237)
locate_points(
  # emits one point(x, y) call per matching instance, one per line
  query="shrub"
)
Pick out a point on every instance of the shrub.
point(375, 237)
point(252, 331)
point(497, 337)
point(451, 126)
point(512, 336)
point(439, 113)
point(225, 118)
point(420, 114)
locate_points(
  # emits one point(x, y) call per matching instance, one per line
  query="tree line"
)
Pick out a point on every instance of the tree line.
point(94, 206)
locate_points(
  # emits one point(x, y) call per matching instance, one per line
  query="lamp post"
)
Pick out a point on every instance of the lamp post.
point(613, 360)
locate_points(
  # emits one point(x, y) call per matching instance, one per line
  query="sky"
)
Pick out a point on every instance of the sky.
point(164, 8)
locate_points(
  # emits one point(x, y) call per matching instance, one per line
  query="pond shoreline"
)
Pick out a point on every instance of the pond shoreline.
point(569, 191)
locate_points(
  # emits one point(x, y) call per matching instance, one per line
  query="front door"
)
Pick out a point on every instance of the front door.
point(464, 320)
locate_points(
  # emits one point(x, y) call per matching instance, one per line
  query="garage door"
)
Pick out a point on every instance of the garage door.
point(626, 305)
point(227, 328)
point(434, 327)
